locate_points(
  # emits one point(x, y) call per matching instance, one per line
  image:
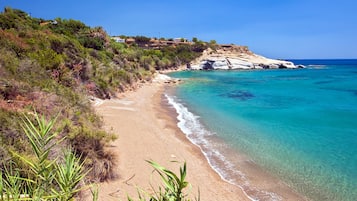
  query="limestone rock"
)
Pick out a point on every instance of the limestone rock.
point(231, 57)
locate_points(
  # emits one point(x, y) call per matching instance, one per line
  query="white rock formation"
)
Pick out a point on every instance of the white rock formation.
point(236, 63)
point(236, 57)
point(221, 64)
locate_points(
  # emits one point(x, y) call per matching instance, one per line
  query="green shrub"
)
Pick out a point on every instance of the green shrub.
point(68, 27)
point(117, 48)
point(147, 62)
point(49, 179)
point(17, 19)
point(173, 186)
point(10, 40)
point(9, 61)
point(47, 58)
point(92, 42)
point(141, 39)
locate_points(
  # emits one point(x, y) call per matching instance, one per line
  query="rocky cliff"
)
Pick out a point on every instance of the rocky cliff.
point(231, 57)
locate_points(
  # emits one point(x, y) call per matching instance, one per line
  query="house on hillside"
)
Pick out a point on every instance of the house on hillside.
point(154, 40)
point(43, 23)
point(130, 41)
point(180, 40)
point(118, 39)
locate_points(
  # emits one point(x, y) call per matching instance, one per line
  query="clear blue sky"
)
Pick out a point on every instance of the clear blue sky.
point(273, 28)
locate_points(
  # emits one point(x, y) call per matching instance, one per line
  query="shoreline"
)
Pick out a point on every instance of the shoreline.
point(147, 130)
point(125, 115)
point(233, 166)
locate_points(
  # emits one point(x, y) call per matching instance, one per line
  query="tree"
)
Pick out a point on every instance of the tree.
point(212, 42)
point(142, 39)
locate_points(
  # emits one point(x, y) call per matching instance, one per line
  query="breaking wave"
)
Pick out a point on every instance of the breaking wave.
point(212, 149)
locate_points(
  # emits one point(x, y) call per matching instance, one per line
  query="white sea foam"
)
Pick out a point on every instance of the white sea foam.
point(198, 135)
point(161, 77)
point(317, 66)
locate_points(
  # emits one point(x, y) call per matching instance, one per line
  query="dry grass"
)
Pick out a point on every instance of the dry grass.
point(101, 162)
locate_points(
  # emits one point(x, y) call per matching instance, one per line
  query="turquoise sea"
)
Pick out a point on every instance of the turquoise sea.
point(299, 125)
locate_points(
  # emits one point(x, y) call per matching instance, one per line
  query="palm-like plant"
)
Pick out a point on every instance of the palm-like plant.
point(50, 179)
point(173, 185)
point(68, 175)
point(41, 140)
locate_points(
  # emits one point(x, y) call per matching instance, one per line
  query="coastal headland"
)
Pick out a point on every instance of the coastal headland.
point(235, 57)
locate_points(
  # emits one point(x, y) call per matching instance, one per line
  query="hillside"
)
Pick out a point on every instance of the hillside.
point(55, 66)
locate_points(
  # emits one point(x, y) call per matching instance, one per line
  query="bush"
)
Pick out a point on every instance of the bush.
point(147, 62)
point(142, 39)
point(9, 61)
point(117, 48)
point(11, 41)
point(68, 27)
point(101, 163)
point(92, 42)
point(47, 58)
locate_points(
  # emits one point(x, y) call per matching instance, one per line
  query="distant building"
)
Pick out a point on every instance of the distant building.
point(118, 39)
point(54, 22)
point(179, 40)
point(130, 40)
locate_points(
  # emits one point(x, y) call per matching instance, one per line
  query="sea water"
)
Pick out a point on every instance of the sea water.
point(300, 125)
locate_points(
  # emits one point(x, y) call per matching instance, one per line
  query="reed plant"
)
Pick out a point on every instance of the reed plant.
point(173, 186)
point(59, 178)
point(48, 178)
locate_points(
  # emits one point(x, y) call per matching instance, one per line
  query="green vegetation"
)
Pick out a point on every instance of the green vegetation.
point(48, 178)
point(55, 67)
point(60, 177)
point(173, 186)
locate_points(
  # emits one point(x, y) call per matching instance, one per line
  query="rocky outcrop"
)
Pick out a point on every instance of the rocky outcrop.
point(232, 57)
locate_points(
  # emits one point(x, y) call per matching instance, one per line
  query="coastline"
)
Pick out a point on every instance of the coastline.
point(233, 167)
point(147, 131)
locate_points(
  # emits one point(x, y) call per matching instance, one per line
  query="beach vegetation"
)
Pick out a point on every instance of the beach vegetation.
point(56, 67)
point(213, 44)
point(41, 176)
point(174, 187)
point(141, 39)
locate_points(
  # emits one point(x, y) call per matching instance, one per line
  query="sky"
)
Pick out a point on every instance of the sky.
point(281, 29)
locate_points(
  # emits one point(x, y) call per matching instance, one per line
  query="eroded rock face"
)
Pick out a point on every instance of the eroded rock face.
point(233, 57)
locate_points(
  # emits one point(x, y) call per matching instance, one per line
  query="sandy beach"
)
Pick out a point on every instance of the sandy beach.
point(147, 131)
point(146, 127)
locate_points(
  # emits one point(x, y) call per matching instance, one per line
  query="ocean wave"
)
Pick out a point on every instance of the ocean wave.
point(315, 66)
point(201, 137)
